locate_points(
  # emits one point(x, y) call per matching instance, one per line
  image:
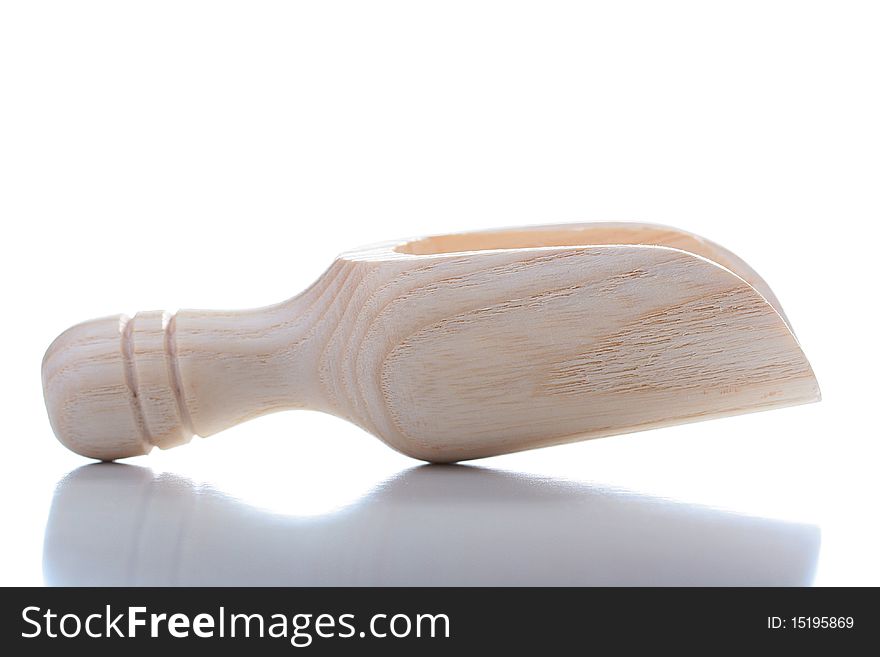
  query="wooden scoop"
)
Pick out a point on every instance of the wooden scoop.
point(450, 347)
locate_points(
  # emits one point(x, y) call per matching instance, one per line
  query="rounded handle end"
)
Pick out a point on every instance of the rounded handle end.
point(110, 387)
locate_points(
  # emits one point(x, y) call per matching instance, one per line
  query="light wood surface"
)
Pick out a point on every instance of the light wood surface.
point(450, 347)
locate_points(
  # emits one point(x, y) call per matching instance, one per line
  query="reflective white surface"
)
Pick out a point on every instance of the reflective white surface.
point(302, 498)
point(430, 525)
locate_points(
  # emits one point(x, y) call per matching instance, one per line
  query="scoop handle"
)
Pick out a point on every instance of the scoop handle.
point(117, 386)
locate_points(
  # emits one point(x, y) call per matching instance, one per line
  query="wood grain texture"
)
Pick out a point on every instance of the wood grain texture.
point(451, 348)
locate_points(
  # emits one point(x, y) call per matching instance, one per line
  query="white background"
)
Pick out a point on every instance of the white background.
point(219, 155)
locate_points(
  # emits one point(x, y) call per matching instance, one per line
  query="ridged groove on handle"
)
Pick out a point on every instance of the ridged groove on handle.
point(112, 386)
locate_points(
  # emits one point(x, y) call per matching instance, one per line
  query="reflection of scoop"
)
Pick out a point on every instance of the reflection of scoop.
point(451, 347)
point(433, 525)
